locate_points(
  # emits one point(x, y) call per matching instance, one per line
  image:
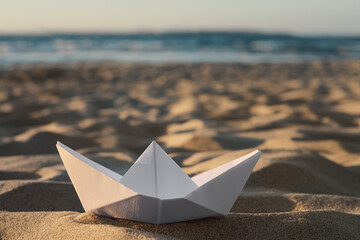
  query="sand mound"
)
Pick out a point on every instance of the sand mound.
point(43, 143)
point(297, 225)
point(41, 196)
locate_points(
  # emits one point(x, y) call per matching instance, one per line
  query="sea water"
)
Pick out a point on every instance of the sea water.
point(230, 47)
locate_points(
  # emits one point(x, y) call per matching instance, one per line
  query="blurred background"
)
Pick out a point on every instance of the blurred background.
point(160, 31)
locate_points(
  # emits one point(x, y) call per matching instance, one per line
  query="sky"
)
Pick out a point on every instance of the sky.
point(309, 17)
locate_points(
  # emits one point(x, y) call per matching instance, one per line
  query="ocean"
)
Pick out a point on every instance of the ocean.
point(222, 47)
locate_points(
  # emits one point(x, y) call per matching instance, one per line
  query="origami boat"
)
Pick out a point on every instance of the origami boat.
point(155, 189)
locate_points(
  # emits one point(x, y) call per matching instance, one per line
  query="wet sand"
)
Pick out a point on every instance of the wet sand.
point(303, 117)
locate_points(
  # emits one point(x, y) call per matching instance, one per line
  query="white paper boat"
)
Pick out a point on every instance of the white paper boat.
point(155, 189)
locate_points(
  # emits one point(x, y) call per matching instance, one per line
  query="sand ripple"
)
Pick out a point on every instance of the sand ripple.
point(305, 118)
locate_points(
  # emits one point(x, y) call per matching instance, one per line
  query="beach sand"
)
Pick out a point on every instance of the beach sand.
point(303, 117)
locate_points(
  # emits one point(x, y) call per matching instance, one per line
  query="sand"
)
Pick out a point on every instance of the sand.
point(303, 117)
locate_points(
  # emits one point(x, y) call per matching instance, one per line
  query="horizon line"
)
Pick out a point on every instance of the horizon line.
point(174, 31)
